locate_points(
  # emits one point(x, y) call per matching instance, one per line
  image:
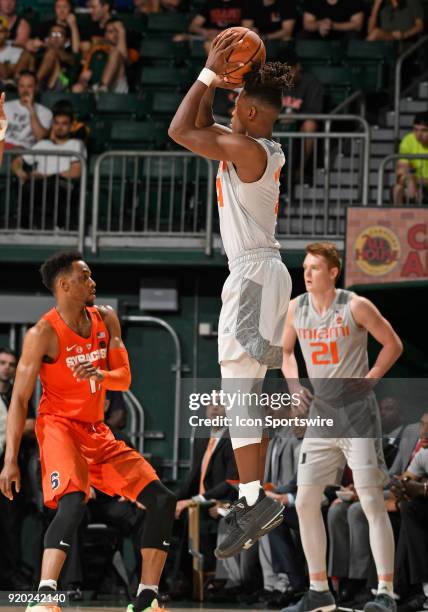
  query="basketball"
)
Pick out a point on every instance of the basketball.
point(250, 52)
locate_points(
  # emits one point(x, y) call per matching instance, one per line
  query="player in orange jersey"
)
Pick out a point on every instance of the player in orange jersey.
point(78, 351)
point(3, 126)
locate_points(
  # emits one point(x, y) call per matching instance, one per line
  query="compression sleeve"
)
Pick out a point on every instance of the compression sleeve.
point(118, 378)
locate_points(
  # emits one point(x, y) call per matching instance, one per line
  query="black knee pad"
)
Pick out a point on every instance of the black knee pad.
point(160, 505)
point(60, 532)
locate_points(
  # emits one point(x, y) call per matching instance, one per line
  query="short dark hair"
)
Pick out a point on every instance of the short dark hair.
point(110, 3)
point(8, 351)
point(58, 25)
point(29, 73)
point(60, 262)
point(267, 82)
point(63, 112)
point(421, 119)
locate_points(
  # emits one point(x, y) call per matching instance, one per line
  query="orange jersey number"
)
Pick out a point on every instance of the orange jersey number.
point(327, 350)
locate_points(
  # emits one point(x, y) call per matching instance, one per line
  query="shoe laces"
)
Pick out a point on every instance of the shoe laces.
point(235, 509)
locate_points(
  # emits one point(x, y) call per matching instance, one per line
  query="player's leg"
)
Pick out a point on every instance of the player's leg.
point(320, 463)
point(65, 485)
point(120, 470)
point(365, 459)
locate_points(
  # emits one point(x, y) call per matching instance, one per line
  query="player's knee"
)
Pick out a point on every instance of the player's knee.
point(60, 532)
point(158, 497)
point(371, 502)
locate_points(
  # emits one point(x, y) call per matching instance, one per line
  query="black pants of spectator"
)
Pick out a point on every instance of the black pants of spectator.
point(47, 203)
point(287, 552)
point(411, 562)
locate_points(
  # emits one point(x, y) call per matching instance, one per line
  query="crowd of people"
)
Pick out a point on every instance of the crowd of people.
point(271, 573)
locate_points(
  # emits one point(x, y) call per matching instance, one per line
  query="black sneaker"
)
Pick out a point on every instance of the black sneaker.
point(147, 600)
point(313, 601)
point(246, 524)
point(381, 603)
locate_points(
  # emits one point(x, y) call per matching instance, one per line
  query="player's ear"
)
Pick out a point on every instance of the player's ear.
point(252, 113)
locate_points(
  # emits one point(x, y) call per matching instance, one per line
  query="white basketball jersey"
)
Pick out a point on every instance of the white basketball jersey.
point(333, 345)
point(248, 211)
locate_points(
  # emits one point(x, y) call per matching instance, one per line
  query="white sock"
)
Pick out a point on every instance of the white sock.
point(250, 490)
point(425, 588)
point(48, 583)
point(152, 587)
point(385, 587)
point(318, 585)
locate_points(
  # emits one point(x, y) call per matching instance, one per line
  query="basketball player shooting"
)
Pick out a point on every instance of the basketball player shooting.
point(332, 326)
point(3, 126)
point(256, 294)
point(78, 351)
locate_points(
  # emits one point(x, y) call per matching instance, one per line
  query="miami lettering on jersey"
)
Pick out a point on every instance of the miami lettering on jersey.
point(305, 333)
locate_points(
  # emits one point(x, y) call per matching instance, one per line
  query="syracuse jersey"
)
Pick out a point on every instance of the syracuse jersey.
point(62, 394)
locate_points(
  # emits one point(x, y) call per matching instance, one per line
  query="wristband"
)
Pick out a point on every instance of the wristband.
point(207, 76)
point(3, 128)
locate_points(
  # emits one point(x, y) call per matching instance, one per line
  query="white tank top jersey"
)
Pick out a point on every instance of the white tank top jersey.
point(248, 211)
point(333, 345)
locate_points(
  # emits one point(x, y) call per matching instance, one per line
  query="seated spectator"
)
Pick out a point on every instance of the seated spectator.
point(19, 29)
point(306, 96)
point(395, 20)
point(411, 489)
point(45, 172)
point(11, 511)
point(156, 6)
point(333, 19)
point(79, 129)
point(113, 77)
point(215, 16)
point(9, 55)
point(272, 19)
point(412, 174)
point(54, 60)
point(63, 17)
point(94, 32)
point(28, 121)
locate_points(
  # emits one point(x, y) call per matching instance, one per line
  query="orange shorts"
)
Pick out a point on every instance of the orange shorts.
point(76, 455)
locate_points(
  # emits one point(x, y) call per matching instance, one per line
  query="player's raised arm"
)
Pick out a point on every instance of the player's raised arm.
point(366, 315)
point(36, 346)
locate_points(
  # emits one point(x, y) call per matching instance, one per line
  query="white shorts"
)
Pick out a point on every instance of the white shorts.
point(322, 460)
point(255, 300)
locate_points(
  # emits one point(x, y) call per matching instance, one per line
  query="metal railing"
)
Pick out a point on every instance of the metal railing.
point(382, 171)
point(326, 171)
point(43, 208)
point(139, 196)
point(136, 420)
point(397, 84)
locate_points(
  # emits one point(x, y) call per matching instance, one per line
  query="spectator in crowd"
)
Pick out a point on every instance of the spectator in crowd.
point(28, 121)
point(215, 16)
point(395, 20)
point(306, 97)
point(54, 60)
point(46, 172)
point(79, 129)
point(118, 57)
point(9, 55)
point(11, 512)
point(350, 558)
point(65, 17)
point(94, 32)
point(411, 489)
point(156, 6)
point(19, 29)
point(272, 19)
point(333, 19)
point(211, 475)
point(412, 174)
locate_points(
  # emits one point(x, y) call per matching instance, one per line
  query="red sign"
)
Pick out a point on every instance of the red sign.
point(385, 245)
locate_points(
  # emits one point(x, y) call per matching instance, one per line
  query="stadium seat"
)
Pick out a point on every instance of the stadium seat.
point(331, 51)
point(134, 23)
point(123, 105)
point(332, 75)
point(368, 77)
point(83, 104)
point(148, 133)
point(165, 104)
point(376, 51)
point(166, 24)
point(164, 77)
point(162, 51)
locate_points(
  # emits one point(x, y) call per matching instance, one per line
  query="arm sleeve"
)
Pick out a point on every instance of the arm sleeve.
point(118, 378)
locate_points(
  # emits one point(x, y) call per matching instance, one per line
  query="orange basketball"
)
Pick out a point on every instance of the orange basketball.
point(251, 52)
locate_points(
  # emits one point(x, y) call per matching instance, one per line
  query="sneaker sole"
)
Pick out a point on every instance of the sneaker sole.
point(245, 542)
point(328, 608)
